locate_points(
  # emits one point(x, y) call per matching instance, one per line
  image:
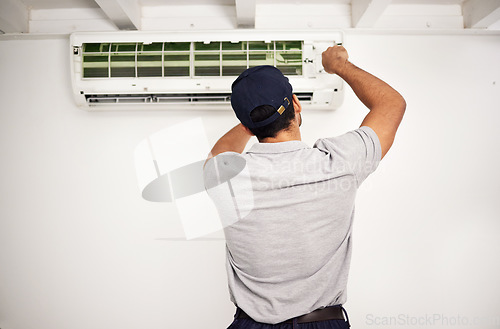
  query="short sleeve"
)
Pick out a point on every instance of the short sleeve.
point(222, 168)
point(360, 150)
point(210, 174)
point(228, 184)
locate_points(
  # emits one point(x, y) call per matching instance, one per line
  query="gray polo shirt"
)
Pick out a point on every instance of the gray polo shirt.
point(288, 211)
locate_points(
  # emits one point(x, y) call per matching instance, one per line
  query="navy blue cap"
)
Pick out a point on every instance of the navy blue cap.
point(260, 85)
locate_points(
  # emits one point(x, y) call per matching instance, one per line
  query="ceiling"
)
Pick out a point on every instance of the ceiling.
point(67, 16)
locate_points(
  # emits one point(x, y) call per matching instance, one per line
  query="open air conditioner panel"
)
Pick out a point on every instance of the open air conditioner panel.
point(110, 70)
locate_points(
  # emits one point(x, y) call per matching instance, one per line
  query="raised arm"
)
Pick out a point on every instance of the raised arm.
point(386, 105)
point(234, 140)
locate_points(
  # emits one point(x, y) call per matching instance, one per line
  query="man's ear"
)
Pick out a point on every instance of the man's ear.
point(296, 104)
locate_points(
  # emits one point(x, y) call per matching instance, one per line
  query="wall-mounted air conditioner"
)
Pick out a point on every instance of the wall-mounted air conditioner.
point(132, 70)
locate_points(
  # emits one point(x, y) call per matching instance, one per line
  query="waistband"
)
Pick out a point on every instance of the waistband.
point(335, 312)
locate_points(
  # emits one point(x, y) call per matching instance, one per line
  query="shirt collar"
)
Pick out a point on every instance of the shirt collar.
point(280, 147)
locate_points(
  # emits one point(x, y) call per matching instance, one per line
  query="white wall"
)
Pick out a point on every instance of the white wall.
point(80, 249)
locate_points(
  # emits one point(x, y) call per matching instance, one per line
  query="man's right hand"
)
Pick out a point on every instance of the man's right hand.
point(334, 59)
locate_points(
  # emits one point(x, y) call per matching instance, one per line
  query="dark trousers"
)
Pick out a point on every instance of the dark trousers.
point(251, 324)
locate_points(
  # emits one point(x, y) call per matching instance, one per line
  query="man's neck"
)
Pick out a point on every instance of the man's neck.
point(284, 136)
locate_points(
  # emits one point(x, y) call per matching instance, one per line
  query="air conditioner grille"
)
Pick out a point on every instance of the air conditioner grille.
point(188, 59)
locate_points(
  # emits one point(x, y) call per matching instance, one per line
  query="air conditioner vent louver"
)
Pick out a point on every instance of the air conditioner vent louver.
point(171, 98)
point(136, 70)
point(157, 98)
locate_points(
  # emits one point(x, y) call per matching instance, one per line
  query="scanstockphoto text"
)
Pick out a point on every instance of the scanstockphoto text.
point(289, 174)
point(432, 319)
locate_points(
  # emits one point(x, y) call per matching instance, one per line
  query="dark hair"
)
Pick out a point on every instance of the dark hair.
point(263, 112)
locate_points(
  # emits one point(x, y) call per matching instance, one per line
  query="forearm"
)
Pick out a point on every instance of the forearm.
point(234, 140)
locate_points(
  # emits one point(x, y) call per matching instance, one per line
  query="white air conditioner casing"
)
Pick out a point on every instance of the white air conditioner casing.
point(315, 88)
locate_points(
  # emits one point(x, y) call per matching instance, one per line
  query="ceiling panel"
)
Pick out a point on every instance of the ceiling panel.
point(303, 2)
point(427, 2)
point(56, 4)
point(67, 16)
point(186, 2)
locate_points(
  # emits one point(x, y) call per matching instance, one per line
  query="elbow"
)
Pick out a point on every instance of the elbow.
point(399, 103)
point(402, 102)
point(402, 106)
point(394, 102)
point(398, 107)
